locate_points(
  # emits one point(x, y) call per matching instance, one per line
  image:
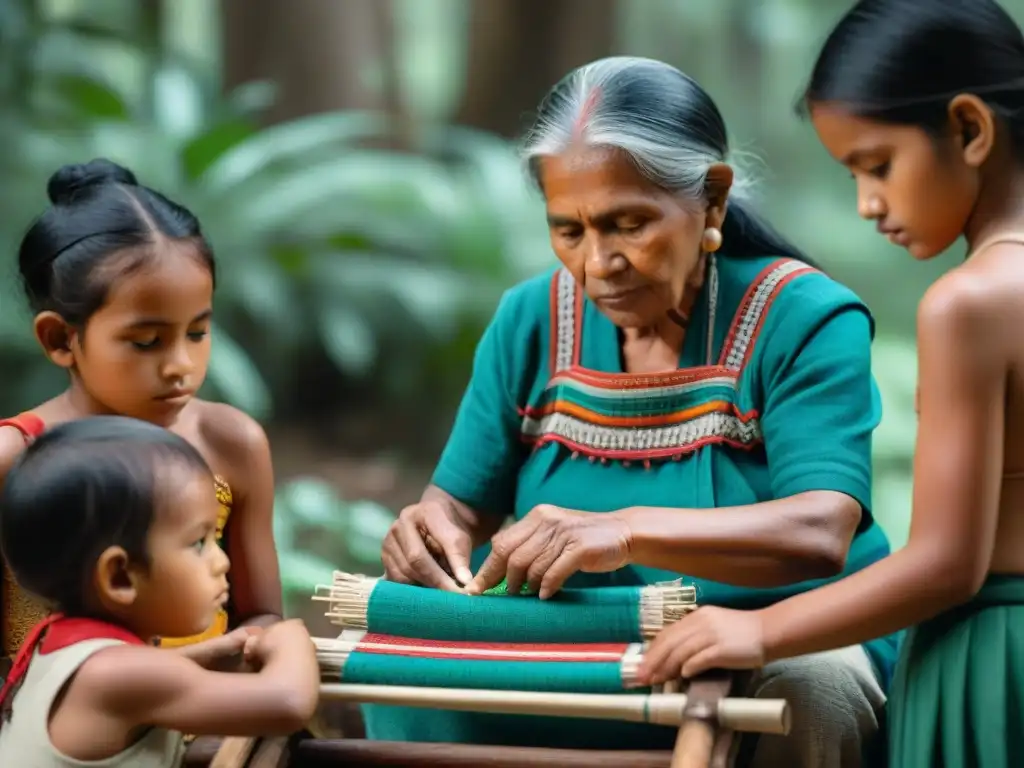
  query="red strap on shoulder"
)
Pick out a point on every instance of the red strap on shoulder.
point(54, 633)
point(30, 425)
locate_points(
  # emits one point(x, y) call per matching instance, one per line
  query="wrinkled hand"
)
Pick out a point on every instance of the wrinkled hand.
point(708, 638)
point(549, 545)
point(428, 545)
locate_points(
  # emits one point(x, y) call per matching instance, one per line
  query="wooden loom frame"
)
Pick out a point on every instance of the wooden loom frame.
point(707, 715)
point(704, 739)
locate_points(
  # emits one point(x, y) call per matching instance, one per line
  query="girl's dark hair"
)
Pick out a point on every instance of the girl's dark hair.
point(901, 61)
point(80, 488)
point(666, 123)
point(98, 210)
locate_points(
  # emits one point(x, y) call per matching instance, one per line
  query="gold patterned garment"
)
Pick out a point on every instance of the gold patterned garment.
point(22, 611)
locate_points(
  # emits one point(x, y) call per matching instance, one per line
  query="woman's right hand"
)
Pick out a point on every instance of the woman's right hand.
point(429, 544)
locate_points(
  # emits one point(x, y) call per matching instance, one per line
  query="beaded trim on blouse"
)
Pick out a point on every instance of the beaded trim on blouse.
point(651, 416)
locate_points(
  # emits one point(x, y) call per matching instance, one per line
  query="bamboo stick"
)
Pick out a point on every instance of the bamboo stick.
point(233, 752)
point(694, 744)
point(738, 714)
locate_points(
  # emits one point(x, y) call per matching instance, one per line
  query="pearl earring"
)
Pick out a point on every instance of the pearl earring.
point(712, 239)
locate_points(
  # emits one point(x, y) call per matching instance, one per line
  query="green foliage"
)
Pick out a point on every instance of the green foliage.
point(374, 265)
point(894, 363)
point(317, 533)
point(329, 248)
point(378, 262)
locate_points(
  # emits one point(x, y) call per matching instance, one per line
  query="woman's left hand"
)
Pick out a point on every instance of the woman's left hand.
point(708, 638)
point(549, 545)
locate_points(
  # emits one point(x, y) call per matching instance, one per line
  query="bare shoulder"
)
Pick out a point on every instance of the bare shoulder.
point(230, 433)
point(962, 298)
point(964, 312)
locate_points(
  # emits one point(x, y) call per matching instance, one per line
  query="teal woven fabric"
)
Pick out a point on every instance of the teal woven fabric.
point(564, 677)
point(605, 615)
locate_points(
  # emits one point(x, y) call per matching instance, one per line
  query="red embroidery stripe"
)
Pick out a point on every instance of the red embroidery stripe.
point(622, 422)
point(389, 645)
point(768, 305)
point(625, 381)
point(748, 299)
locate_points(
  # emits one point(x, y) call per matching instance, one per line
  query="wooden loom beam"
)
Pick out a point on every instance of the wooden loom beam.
point(701, 743)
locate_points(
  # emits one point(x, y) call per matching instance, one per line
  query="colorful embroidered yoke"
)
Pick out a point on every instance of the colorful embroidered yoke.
point(375, 659)
point(605, 615)
point(628, 416)
point(20, 611)
point(773, 397)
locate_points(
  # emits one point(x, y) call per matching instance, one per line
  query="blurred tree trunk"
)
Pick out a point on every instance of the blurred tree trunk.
point(518, 49)
point(321, 54)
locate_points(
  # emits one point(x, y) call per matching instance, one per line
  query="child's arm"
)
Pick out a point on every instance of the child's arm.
point(255, 579)
point(223, 653)
point(142, 686)
point(958, 464)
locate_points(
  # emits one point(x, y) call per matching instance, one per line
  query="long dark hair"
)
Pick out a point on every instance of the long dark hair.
point(901, 61)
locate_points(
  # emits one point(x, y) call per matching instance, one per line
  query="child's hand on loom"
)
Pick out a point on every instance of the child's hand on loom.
point(224, 653)
point(708, 638)
point(285, 637)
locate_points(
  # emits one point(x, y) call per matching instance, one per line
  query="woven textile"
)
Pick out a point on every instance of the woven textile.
point(377, 659)
point(603, 615)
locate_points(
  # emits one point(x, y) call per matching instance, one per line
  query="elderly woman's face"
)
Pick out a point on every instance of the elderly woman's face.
point(631, 245)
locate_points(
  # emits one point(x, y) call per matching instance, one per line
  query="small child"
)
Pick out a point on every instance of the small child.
point(112, 522)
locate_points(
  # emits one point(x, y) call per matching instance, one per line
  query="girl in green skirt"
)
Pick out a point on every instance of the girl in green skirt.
point(923, 102)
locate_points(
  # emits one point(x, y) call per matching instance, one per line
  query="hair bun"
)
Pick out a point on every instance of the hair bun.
point(70, 180)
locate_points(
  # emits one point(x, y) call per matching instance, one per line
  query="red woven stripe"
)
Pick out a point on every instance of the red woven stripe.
point(469, 651)
point(380, 639)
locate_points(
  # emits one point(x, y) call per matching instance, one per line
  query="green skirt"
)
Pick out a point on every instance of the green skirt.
point(957, 698)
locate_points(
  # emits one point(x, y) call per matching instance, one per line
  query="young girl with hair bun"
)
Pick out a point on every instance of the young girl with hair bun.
point(120, 281)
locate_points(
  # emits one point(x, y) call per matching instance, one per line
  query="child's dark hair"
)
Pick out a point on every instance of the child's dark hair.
point(80, 488)
point(901, 61)
point(98, 210)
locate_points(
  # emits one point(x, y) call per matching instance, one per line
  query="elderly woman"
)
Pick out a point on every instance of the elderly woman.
point(686, 396)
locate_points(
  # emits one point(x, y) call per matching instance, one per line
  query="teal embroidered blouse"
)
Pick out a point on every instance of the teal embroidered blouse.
point(773, 397)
